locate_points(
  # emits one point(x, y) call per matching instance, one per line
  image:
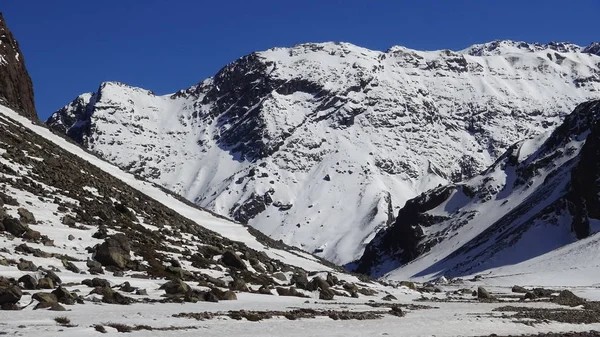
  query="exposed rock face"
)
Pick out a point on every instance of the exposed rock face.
point(16, 89)
point(542, 192)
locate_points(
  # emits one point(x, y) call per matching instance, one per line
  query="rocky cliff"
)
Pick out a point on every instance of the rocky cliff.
point(16, 89)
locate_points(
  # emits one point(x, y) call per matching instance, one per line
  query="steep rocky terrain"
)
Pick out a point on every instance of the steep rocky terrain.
point(320, 144)
point(540, 195)
point(16, 89)
point(66, 215)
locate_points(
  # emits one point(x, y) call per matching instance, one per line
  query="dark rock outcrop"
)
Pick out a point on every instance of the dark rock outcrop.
point(16, 88)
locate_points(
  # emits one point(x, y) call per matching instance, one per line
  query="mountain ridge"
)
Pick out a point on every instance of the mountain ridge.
point(278, 139)
point(542, 194)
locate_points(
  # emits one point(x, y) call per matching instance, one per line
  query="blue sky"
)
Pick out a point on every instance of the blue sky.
point(162, 45)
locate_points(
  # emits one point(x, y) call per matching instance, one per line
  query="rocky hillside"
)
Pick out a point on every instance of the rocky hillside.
point(540, 195)
point(320, 144)
point(74, 229)
point(16, 89)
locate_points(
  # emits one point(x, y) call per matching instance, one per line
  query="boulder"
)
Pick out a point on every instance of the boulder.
point(389, 297)
point(232, 260)
point(300, 279)
point(96, 282)
point(9, 294)
point(14, 226)
point(45, 283)
point(25, 265)
point(567, 298)
point(519, 289)
point(114, 251)
point(28, 282)
point(126, 287)
point(210, 297)
point(95, 267)
point(280, 276)
point(112, 297)
point(265, 290)
point(239, 285)
point(482, 293)
point(52, 275)
point(31, 235)
point(70, 266)
point(326, 294)
point(318, 283)
point(409, 285)
point(175, 287)
point(209, 251)
point(141, 292)
point(45, 297)
point(64, 296)
point(26, 216)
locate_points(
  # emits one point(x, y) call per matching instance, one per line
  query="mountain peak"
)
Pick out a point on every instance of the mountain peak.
point(16, 89)
point(503, 47)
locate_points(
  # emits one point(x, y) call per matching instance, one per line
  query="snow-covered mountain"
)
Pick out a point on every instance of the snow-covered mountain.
point(320, 144)
point(541, 195)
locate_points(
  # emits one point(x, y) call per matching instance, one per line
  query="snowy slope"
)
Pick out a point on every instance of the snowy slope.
point(319, 145)
point(541, 195)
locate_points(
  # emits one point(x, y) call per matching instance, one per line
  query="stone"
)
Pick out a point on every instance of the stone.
point(25, 265)
point(280, 276)
point(52, 275)
point(300, 280)
point(232, 260)
point(408, 284)
point(326, 294)
point(96, 282)
point(64, 296)
point(567, 298)
point(10, 294)
point(318, 283)
point(175, 287)
point(94, 267)
point(265, 290)
point(14, 226)
point(389, 297)
point(45, 297)
point(45, 283)
point(126, 287)
point(68, 220)
point(71, 237)
point(482, 293)
point(28, 282)
point(112, 297)
point(210, 297)
point(70, 266)
point(114, 251)
point(31, 235)
point(26, 216)
point(238, 284)
point(141, 292)
point(519, 289)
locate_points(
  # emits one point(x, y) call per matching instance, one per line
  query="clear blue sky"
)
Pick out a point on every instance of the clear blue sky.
point(166, 45)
